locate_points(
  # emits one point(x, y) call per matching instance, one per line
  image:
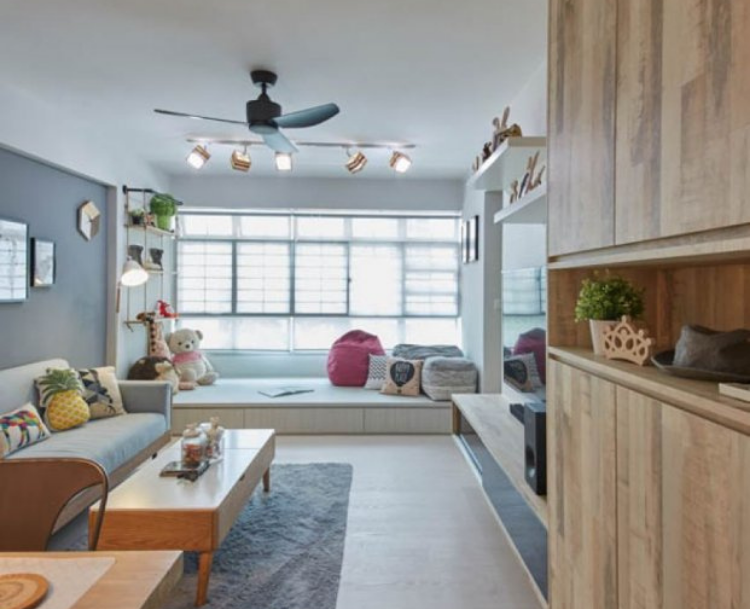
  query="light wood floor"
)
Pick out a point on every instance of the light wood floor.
point(420, 532)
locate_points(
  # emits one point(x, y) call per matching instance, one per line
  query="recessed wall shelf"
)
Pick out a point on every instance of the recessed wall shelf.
point(531, 209)
point(699, 397)
point(508, 163)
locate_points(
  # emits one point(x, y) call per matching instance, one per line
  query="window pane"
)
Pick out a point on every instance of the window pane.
point(263, 278)
point(199, 225)
point(432, 331)
point(321, 278)
point(321, 228)
point(319, 333)
point(431, 280)
point(262, 333)
point(384, 229)
point(432, 229)
point(522, 292)
point(376, 276)
point(205, 277)
point(270, 227)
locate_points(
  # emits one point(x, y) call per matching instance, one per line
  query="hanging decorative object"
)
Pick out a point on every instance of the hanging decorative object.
point(626, 342)
point(89, 220)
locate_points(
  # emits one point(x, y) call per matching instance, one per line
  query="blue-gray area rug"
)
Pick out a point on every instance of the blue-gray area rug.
point(286, 549)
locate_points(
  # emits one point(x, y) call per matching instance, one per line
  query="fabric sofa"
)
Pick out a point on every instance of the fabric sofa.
point(119, 444)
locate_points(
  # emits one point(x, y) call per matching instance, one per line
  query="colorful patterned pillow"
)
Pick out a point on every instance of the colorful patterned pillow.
point(20, 428)
point(101, 392)
point(402, 377)
point(376, 371)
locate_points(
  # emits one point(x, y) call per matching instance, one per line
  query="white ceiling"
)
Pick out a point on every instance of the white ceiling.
point(431, 72)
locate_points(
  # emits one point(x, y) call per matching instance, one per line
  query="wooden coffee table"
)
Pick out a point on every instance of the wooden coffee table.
point(148, 512)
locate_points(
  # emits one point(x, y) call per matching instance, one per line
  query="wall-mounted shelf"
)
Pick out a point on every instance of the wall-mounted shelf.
point(699, 397)
point(507, 163)
point(531, 209)
point(151, 230)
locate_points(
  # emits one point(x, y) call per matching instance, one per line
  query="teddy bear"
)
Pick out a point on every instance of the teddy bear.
point(192, 366)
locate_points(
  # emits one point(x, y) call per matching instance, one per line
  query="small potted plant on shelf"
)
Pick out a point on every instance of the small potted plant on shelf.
point(603, 301)
point(164, 207)
point(137, 217)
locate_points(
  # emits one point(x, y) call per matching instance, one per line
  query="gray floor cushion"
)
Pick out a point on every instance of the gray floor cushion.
point(110, 442)
point(406, 351)
point(444, 376)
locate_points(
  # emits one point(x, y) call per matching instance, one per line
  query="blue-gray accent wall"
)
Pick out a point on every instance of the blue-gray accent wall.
point(69, 319)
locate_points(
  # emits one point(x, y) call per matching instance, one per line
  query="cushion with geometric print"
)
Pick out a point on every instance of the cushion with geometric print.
point(20, 428)
point(377, 371)
point(402, 377)
point(101, 392)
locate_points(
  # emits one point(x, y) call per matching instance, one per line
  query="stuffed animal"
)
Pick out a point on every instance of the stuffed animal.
point(157, 346)
point(155, 369)
point(188, 360)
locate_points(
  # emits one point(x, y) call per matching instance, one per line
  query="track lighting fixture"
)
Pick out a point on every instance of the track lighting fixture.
point(283, 161)
point(400, 162)
point(356, 162)
point(198, 157)
point(241, 160)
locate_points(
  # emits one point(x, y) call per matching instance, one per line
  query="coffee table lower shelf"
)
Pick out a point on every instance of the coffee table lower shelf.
point(148, 512)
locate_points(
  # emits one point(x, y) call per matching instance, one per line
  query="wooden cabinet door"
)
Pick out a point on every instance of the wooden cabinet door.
point(581, 490)
point(683, 505)
point(683, 117)
point(581, 138)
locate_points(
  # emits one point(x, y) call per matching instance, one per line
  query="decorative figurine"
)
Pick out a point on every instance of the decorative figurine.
point(215, 436)
point(626, 342)
point(502, 131)
point(514, 191)
point(136, 253)
point(193, 445)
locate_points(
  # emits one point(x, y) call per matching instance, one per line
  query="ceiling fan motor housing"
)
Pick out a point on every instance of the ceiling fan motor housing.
point(260, 114)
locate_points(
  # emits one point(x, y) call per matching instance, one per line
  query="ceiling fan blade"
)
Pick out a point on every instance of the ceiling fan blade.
point(309, 117)
point(278, 142)
point(202, 118)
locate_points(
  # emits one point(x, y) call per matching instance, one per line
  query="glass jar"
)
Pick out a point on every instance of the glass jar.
point(194, 443)
point(215, 439)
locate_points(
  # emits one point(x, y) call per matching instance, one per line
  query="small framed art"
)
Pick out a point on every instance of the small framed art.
point(43, 264)
point(473, 239)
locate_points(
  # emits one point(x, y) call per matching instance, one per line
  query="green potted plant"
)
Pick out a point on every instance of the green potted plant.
point(164, 207)
point(137, 217)
point(603, 301)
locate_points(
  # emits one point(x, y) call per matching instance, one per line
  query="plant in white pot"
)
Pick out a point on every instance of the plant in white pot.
point(603, 301)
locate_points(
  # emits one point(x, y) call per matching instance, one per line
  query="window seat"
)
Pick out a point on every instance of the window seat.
point(325, 410)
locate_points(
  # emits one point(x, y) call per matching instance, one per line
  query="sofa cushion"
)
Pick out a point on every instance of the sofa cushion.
point(402, 377)
point(444, 376)
point(17, 384)
point(20, 429)
point(110, 442)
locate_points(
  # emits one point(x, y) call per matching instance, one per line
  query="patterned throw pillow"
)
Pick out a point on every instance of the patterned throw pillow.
point(376, 372)
point(402, 377)
point(101, 392)
point(60, 392)
point(20, 428)
point(521, 372)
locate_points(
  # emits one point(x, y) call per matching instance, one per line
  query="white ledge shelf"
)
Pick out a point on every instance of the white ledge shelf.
point(507, 163)
point(151, 229)
point(531, 209)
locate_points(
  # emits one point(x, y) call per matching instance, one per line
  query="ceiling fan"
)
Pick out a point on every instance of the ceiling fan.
point(264, 116)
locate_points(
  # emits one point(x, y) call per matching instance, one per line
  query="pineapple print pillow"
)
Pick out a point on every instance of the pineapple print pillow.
point(21, 428)
point(60, 395)
point(101, 392)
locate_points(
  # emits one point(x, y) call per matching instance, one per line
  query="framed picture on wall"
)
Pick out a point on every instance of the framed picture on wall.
point(14, 261)
point(42, 263)
point(473, 239)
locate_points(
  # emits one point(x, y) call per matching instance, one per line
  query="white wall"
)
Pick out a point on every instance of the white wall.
point(37, 130)
point(346, 193)
point(516, 246)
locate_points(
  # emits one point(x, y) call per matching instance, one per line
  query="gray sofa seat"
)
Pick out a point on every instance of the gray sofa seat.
point(109, 442)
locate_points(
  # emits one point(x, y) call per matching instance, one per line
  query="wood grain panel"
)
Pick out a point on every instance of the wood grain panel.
point(306, 420)
point(399, 420)
point(582, 90)
point(683, 121)
point(231, 418)
point(582, 489)
point(683, 521)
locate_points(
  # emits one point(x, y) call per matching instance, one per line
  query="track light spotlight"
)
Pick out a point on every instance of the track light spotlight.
point(198, 157)
point(283, 161)
point(356, 162)
point(241, 160)
point(400, 162)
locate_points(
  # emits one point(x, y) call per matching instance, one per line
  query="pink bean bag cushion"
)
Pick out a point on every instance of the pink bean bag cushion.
point(534, 341)
point(349, 358)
